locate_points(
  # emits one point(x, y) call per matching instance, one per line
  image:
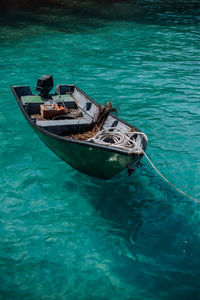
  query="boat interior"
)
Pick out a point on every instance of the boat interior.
point(79, 114)
point(69, 112)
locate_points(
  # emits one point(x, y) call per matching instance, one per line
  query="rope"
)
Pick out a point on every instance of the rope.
point(164, 178)
point(127, 141)
point(114, 137)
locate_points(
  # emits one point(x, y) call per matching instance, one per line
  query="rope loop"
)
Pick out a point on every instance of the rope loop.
point(113, 136)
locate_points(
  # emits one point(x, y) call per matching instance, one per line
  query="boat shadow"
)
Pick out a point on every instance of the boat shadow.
point(142, 206)
point(130, 202)
point(155, 235)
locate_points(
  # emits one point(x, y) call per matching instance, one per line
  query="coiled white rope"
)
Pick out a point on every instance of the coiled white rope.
point(114, 137)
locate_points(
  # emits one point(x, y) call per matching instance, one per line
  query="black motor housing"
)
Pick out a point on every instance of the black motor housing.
point(44, 85)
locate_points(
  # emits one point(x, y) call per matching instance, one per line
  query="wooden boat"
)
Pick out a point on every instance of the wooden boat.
point(74, 135)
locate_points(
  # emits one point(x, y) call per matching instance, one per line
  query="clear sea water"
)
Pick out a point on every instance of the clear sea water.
point(65, 235)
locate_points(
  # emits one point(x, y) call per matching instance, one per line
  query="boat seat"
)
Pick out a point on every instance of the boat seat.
point(68, 126)
point(67, 99)
point(31, 99)
point(32, 103)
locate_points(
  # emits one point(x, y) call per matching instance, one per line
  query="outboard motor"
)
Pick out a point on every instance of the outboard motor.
point(45, 85)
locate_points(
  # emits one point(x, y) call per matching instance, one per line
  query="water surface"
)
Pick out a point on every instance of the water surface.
point(65, 235)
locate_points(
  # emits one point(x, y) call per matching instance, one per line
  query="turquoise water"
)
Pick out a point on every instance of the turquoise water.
point(65, 235)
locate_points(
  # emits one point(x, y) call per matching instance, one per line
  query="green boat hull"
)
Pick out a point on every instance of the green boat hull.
point(91, 161)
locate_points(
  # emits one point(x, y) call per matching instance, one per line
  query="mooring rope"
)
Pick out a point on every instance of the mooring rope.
point(114, 137)
point(164, 178)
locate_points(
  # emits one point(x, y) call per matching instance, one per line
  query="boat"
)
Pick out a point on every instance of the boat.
point(88, 136)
